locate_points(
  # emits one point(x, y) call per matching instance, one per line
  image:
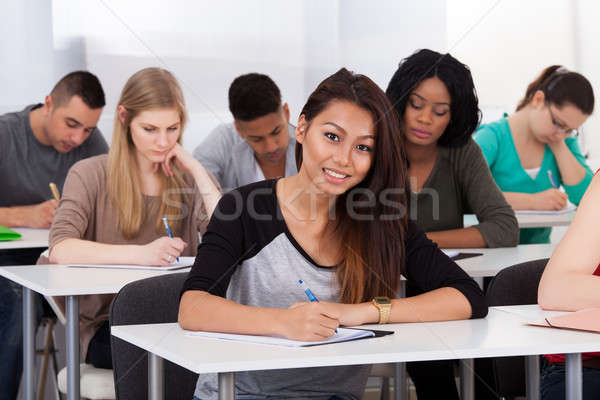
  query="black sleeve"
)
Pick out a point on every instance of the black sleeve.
point(428, 268)
point(221, 250)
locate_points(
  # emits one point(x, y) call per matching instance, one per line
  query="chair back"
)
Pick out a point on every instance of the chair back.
point(148, 301)
point(515, 285)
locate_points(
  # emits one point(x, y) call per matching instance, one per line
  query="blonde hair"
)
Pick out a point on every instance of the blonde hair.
point(147, 89)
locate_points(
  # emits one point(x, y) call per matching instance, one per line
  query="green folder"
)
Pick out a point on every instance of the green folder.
point(8, 234)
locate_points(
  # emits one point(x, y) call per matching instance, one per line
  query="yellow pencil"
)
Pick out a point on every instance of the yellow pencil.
point(54, 191)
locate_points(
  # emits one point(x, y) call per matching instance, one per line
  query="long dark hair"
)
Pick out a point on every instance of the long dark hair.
point(373, 253)
point(464, 105)
point(561, 86)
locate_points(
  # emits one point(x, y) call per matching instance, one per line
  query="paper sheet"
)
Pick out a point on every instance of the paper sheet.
point(343, 335)
point(184, 262)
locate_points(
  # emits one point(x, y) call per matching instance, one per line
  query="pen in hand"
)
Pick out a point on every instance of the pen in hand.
point(54, 191)
point(168, 229)
point(309, 294)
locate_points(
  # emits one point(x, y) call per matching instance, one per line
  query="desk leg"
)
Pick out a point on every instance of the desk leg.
point(28, 345)
point(467, 379)
point(532, 375)
point(574, 384)
point(400, 375)
point(400, 382)
point(226, 386)
point(72, 348)
point(156, 377)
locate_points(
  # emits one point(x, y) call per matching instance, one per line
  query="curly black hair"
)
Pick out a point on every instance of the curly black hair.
point(464, 105)
point(253, 96)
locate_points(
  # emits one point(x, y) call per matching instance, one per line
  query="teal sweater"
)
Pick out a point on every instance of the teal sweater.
point(496, 142)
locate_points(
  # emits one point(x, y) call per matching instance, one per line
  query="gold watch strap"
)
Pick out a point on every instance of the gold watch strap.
point(384, 311)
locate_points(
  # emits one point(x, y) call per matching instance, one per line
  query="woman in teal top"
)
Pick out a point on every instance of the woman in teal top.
point(534, 151)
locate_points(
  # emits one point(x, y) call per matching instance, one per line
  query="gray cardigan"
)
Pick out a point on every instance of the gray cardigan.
point(461, 183)
point(231, 160)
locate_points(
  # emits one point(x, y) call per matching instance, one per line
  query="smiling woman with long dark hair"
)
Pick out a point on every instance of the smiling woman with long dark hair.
point(340, 225)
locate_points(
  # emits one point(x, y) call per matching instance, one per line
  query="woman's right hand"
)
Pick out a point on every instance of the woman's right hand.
point(551, 199)
point(310, 321)
point(162, 251)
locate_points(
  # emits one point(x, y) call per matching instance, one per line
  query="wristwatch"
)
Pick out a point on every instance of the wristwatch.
point(384, 305)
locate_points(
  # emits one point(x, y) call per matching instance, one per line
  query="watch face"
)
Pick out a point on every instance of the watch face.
point(382, 300)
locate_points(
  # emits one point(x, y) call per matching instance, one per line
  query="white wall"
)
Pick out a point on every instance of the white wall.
point(508, 43)
point(297, 42)
point(207, 44)
point(587, 32)
point(31, 65)
point(374, 37)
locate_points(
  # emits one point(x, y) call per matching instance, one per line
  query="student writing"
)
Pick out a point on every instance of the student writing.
point(111, 206)
point(541, 136)
point(318, 225)
point(436, 102)
point(37, 145)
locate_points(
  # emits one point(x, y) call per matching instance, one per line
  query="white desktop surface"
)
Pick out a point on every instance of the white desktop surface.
point(494, 260)
point(530, 220)
point(30, 238)
point(60, 280)
point(502, 333)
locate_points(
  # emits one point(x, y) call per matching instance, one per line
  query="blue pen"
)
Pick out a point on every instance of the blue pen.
point(168, 229)
point(309, 294)
point(552, 180)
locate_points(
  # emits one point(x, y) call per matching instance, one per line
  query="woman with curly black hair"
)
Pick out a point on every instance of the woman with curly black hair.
point(436, 102)
point(435, 99)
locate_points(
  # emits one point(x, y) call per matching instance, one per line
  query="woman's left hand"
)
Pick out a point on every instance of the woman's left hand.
point(558, 145)
point(179, 155)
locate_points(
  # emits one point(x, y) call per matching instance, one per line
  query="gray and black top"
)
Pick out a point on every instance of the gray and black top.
point(249, 256)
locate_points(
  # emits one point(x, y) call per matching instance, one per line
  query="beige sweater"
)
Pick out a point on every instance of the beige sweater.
point(86, 212)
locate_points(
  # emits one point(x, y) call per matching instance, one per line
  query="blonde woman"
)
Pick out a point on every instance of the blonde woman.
point(112, 205)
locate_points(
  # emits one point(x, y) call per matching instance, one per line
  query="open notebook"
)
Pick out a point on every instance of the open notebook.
point(583, 320)
point(184, 262)
point(343, 335)
point(569, 208)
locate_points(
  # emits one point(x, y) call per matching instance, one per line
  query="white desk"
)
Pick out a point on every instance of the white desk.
point(411, 342)
point(531, 220)
point(494, 260)
point(31, 238)
point(59, 280)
